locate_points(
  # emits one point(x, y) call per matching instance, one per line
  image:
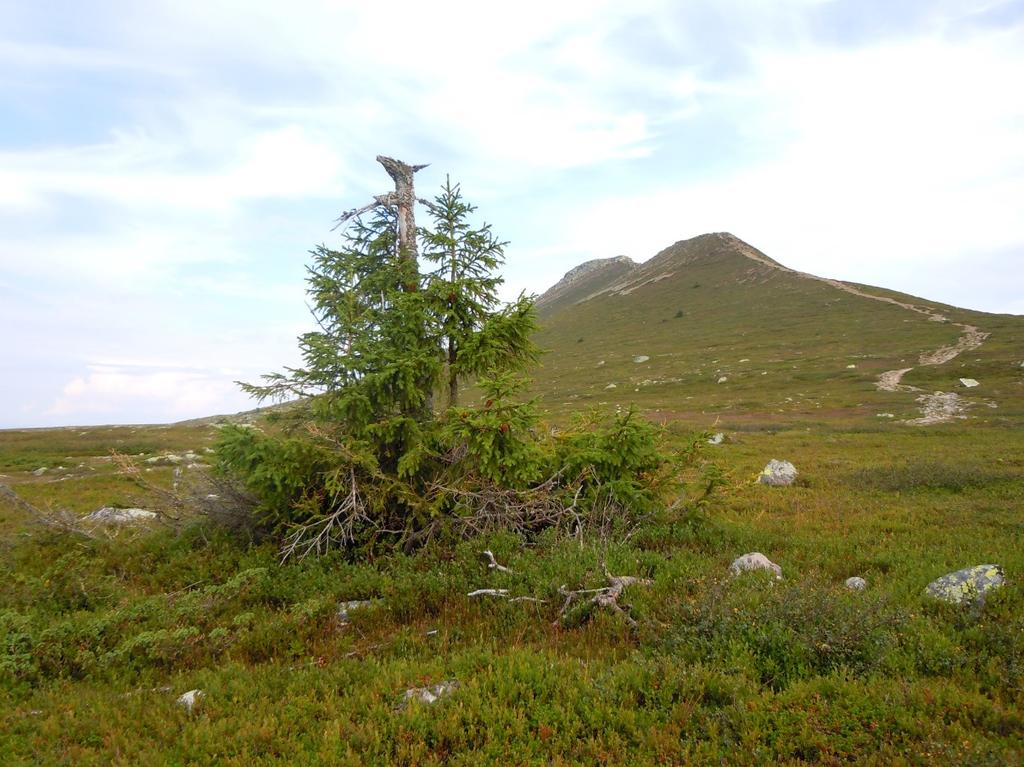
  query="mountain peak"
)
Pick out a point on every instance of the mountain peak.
point(580, 281)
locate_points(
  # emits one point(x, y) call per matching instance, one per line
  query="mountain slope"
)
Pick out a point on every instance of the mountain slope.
point(787, 344)
point(583, 281)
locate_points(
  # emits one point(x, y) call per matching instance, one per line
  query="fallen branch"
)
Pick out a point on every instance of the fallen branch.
point(488, 593)
point(606, 597)
point(61, 521)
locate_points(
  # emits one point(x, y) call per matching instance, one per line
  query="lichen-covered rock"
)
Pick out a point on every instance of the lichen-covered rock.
point(856, 583)
point(755, 561)
point(346, 608)
point(778, 474)
point(115, 516)
point(430, 694)
point(967, 586)
point(189, 699)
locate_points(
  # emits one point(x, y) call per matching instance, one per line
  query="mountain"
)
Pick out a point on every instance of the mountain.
point(729, 333)
point(583, 281)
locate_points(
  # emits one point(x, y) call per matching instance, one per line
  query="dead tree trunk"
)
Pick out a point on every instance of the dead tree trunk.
point(403, 200)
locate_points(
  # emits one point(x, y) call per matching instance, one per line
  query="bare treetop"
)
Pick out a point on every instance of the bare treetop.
point(403, 199)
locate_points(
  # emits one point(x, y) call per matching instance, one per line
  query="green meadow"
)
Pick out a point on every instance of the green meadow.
point(100, 634)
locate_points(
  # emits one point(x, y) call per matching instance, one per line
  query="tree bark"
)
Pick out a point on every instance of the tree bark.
point(405, 200)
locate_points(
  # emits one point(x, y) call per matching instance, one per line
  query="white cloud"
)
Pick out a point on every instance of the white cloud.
point(134, 170)
point(595, 128)
point(109, 393)
point(907, 153)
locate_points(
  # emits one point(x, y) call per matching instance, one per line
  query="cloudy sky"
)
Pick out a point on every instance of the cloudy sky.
point(165, 166)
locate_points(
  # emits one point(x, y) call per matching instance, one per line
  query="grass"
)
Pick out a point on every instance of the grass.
point(100, 637)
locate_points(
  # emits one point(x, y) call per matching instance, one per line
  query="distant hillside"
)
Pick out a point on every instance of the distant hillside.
point(733, 334)
point(583, 281)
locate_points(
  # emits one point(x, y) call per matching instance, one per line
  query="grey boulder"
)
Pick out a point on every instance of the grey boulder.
point(967, 586)
point(778, 473)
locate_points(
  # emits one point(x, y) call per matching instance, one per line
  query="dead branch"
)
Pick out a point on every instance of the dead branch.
point(488, 593)
point(606, 597)
point(170, 504)
point(62, 521)
point(493, 564)
point(336, 529)
point(389, 199)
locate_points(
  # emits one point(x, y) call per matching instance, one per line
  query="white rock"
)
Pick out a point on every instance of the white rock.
point(430, 694)
point(610, 386)
point(189, 699)
point(39, 472)
point(755, 561)
point(723, 379)
point(640, 358)
point(716, 439)
point(778, 473)
point(850, 367)
point(970, 383)
point(744, 360)
point(344, 608)
point(856, 583)
point(885, 415)
point(599, 364)
point(114, 516)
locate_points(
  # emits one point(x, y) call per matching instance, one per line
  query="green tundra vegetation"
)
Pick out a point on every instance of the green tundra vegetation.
point(103, 628)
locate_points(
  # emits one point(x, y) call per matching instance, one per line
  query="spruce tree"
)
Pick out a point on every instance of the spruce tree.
point(364, 459)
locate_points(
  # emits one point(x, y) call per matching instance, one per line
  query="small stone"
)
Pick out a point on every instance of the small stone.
point(969, 383)
point(744, 360)
point(723, 379)
point(189, 699)
point(640, 358)
point(850, 367)
point(856, 583)
point(430, 694)
point(599, 364)
point(755, 561)
point(610, 386)
point(885, 415)
point(967, 586)
point(347, 607)
point(39, 472)
point(115, 516)
point(716, 439)
point(778, 474)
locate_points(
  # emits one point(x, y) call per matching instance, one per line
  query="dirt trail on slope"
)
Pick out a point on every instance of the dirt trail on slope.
point(940, 407)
